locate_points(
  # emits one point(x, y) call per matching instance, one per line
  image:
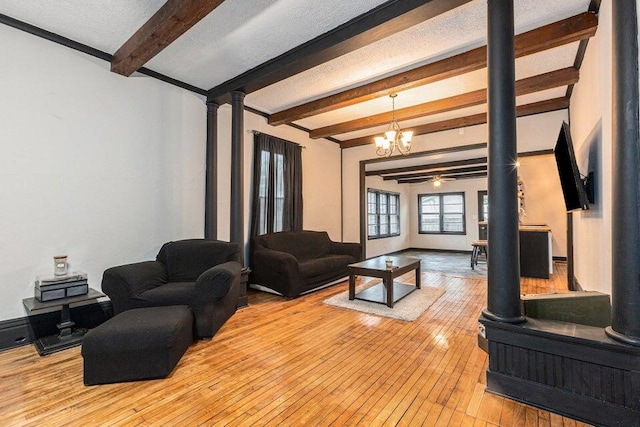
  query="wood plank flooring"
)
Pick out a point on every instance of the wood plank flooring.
point(294, 363)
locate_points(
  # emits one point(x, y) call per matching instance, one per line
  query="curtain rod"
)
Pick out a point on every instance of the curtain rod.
point(257, 132)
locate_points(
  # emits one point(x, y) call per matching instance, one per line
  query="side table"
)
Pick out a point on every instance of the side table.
point(243, 299)
point(68, 336)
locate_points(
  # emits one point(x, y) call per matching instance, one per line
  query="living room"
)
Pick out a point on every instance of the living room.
point(106, 169)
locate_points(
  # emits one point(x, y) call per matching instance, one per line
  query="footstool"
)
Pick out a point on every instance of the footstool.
point(139, 344)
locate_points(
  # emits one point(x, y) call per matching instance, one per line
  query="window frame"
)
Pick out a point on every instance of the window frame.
point(388, 195)
point(441, 213)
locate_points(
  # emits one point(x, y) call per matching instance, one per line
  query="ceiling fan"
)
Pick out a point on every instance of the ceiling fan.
point(437, 180)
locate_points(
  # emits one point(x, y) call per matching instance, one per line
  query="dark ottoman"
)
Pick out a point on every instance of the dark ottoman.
point(137, 344)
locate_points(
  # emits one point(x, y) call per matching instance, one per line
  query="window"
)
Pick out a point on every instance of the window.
point(383, 214)
point(441, 213)
point(277, 185)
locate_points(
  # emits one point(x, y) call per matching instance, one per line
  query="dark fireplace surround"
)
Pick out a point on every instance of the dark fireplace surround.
point(570, 369)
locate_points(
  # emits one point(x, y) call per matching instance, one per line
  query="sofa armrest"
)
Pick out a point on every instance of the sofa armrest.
point(269, 259)
point(353, 249)
point(214, 283)
point(276, 270)
point(122, 282)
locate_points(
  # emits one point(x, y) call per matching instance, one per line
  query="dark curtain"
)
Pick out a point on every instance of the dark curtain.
point(277, 185)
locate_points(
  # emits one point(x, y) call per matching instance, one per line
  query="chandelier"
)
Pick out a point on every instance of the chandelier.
point(394, 138)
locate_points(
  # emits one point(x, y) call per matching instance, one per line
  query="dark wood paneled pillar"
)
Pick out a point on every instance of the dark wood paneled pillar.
point(237, 168)
point(625, 290)
point(503, 302)
point(211, 180)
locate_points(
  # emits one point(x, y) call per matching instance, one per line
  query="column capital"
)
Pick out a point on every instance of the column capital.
point(212, 105)
point(237, 95)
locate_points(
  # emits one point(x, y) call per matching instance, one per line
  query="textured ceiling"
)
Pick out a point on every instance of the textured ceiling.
point(242, 34)
point(104, 24)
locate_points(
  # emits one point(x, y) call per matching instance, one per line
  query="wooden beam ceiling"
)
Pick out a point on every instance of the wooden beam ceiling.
point(387, 19)
point(433, 172)
point(172, 20)
point(429, 178)
point(569, 30)
point(550, 80)
point(475, 119)
point(450, 164)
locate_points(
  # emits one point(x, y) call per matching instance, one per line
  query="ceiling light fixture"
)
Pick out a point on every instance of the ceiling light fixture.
point(394, 138)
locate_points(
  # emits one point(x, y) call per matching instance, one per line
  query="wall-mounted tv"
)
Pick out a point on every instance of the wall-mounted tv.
point(573, 187)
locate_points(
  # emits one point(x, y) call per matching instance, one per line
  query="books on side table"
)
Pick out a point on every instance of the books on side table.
point(57, 287)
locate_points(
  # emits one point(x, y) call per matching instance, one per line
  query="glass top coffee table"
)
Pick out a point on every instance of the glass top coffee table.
point(388, 292)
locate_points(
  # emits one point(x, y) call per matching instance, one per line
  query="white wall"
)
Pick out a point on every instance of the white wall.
point(544, 202)
point(538, 132)
point(94, 165)
point(591, 134)
point(105, 168)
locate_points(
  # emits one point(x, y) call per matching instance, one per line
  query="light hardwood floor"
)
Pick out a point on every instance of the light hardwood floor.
point(294, 363)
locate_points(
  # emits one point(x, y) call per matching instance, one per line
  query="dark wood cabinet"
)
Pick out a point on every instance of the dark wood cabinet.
point(535, 251)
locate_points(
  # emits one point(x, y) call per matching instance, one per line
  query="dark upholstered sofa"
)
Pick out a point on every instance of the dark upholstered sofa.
point(202, 274)
point(293, 262)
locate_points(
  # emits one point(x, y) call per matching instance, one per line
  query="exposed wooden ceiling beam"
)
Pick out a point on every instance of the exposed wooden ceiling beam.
point(457, 177)
point(382, 21)
point(172, 20)
point(475, 119)
point(553, 79)
point(433, 172)
point(453, 163)
point(547, 37)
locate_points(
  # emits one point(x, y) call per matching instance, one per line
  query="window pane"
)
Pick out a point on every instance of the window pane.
point(453, 203)
point(383, 203)
point(430, 204)
point(485, 207)
point(372, 197)
point(393, 204)
point(394, 225)
point(373, 230)
point(453, 223)
point(430, 223)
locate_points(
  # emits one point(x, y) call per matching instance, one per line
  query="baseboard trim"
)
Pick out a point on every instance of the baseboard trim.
point(453, 251)
point(24, 330)
point(560, 258)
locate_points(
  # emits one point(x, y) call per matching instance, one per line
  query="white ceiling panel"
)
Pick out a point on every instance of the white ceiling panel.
point(104, 25)
point(241, 34)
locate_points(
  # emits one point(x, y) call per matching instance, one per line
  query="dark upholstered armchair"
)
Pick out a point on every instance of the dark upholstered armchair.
point(294, 262)
point(203, 274)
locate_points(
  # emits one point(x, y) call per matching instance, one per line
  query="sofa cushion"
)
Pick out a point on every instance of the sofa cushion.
point(322, 265)
point(304, 245)
point(186, 260)
point(172, 293)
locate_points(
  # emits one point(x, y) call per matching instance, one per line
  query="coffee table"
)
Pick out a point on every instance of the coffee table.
point(388, 292)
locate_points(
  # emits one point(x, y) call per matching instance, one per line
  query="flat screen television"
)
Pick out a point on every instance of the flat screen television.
point(573, 187)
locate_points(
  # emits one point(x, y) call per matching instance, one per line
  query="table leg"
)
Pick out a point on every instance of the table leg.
point(352, 286)
point(418, 277)
point(388, 284)
point(66, 324)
